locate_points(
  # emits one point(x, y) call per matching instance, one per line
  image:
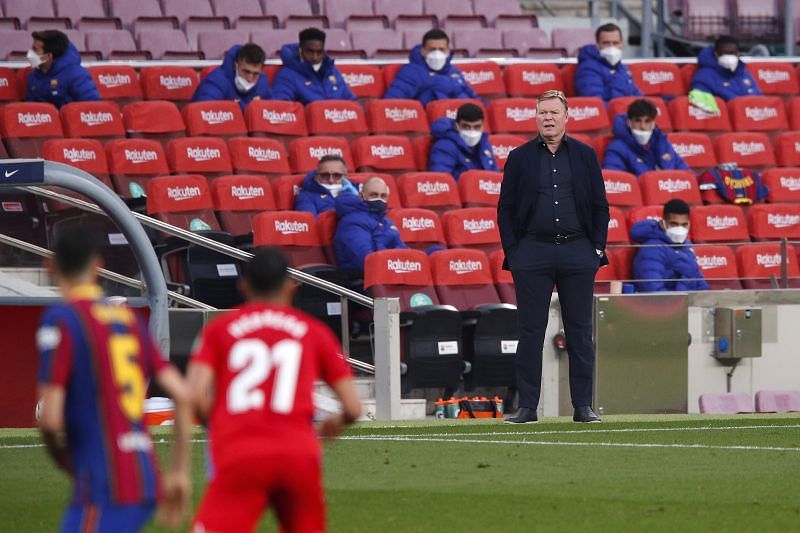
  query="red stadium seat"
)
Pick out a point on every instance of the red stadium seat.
point(690, 118)
point(336, 117)
point(463, 278)
point(484, 77)
point(644, 212)
point(199, 155)
point(133, 162)
point(238, 199)
point(718, 223)
point(449, 106)
point(532, 79)
point(389, 73)
point(276, 119)
point(480, 188)
point(587, 114)
point(619, 106)
point(183, 201)
point(383, 153)
point(783, 184)
point(657, 78)
point(623, 257)
point(787, 148)
point(622, 188)
point(617, 228)
point(568, 78)
point(250, 155)
point(513, 115)
point(775, 78)
point(404, 274)
point(687, 73)
point(326, 227)
point(221, 118)
point(502, 144)
point(436, 191)
point(100, 120)
point(757, 113)
point(503, 280)
point(366, 81)
point(116, 82)
point(25, 126)
point(746, 149)
point(9, 89)
point(397, 116)
point(173, 83)
point(286, 189)
point(85, 154)
point(718, 265)
point(758, 262)
point(305, 152)
point(422, 150)
point(472, 227)
point(158, 120)
point(793, 110)
point(695, 149)
point(606, 274)
point(419, 228)
point(294, 232)
point(600, 145)
point(661, 186)
point(774, 221)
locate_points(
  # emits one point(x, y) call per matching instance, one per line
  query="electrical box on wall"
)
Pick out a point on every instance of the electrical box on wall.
point(737, 332)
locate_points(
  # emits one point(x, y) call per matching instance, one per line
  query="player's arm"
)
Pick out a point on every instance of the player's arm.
point(200, 378)
point(51, 424)
point(347, 395)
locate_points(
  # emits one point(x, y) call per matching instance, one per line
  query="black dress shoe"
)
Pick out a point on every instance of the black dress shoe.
point(585, 414)
point(525, 415)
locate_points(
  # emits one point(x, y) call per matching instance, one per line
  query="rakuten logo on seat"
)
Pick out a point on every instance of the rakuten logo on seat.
point(172, 83)
point(112, 81)
point(418, 223)
point(782, 221)
point(263, 154)
point(459, 266)
point(31, 120)
point(216, 117)
point(203, 154)
point(273, 117)
point(758, 114)
point(183, 193)
point(537, 78)
point(583, 113)
point(768, 260)
point(656, 77)
point(432, 188)
point(290, 227)
point(708, 262)
point(501, 151)
point(337, 116)
point(318, 152)
point(74, 155)
point(772, 76)
point(613, 223)
point(358, 80)
point(241, 192)
point(792, 184)
point(686, 150)
point(489, 186)
point(397, 114)
point(4, 82)
point(140, 156)
point(384, 151)
point(673, 186)
point(403, 267)
point(520, 114)
point(476, 77)
point(748, 148)
point(96, 119)
point(479, 225)
point(718, 223)
point(618, 187)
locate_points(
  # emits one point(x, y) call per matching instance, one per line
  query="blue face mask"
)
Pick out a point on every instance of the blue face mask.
point(376, 206)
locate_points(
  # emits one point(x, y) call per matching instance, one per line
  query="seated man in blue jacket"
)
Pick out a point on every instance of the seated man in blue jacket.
point(57, 76)
point(363, 227)
point(639, 145)
point(668, 262)
point(600, 71)
point(721, 73)
point(461, 144)
point(323, 185)
point(429, 75)
point(308, 73)
point(240, 77)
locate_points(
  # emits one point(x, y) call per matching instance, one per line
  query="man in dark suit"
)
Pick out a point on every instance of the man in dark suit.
point(553, 217)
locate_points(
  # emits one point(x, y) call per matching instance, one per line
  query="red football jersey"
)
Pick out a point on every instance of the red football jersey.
point(265, 360)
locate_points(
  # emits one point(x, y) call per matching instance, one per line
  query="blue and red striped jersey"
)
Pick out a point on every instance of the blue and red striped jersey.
point(102, 354)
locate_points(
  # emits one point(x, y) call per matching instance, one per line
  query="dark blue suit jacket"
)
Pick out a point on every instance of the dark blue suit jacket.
point(520, 187)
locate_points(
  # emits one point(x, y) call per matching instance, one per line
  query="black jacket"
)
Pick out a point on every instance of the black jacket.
point(520, 187)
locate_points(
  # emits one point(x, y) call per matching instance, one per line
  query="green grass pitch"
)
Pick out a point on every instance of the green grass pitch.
point(644, 473)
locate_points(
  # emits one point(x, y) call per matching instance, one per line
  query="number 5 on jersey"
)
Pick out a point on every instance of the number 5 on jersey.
point(254, 362)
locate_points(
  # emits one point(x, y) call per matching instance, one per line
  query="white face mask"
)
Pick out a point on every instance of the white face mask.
point(728, 61)
point(677, 234)
point(316, 66)
point(436, 60)
point(242, 85)
point(470, 137)
point(612, 54)
point(642, 136)
point(34, 59)
point(333, 188)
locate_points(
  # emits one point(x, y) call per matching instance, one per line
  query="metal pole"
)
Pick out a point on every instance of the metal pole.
point(387, 358)
point(661, 28)
point(784, 263)
point(593, 15)
point(788, 28)
point(613, 11)
point(647, 28)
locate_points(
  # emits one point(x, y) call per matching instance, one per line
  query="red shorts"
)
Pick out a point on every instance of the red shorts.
point(239, 494)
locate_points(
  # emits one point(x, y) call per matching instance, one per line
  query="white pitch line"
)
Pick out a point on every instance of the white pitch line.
point(23, 446)
point(576, 431)
point(589, 444)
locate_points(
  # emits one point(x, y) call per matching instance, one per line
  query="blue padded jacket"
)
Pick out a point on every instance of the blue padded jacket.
point(361, 232)
point(66, 81)
point(417, 81)
point(297, 81)
point(712, 78)
point(450, 153)
point(315, 198)
point(220, 84)
point(653, 264)
point(625, 152)
point(595, 76)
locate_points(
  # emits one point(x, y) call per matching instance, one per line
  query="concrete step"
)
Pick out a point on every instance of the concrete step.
point(364, 386)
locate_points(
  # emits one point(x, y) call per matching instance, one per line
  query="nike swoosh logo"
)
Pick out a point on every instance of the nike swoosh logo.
point(9, 174)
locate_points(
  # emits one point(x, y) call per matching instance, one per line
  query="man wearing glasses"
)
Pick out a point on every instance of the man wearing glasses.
point(321, 187)
point(553, 218)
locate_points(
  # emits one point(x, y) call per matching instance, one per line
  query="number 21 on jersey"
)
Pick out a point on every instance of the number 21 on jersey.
point(254, 362)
